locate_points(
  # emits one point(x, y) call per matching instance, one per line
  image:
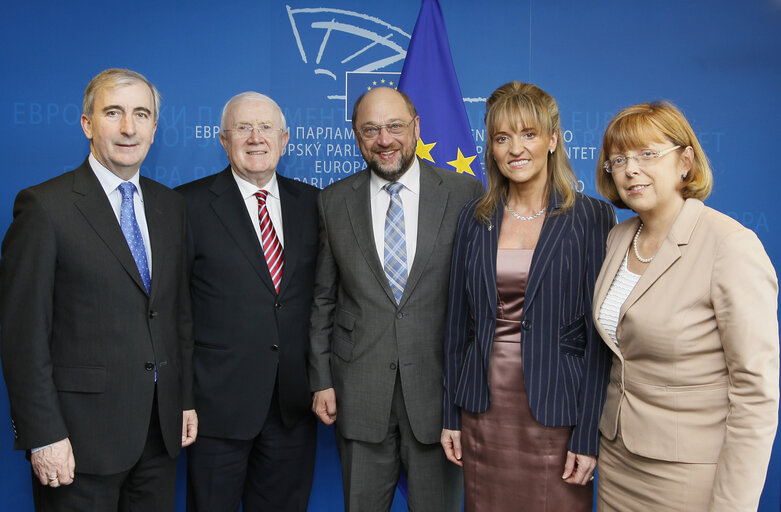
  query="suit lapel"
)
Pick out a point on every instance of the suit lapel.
point(359, 212)
point(488, 249)
point(668, 252)
point(552, 233)
point(431, 210)
point(293, 237)
point(95, 207)
point(159, 236)
point(229, 207)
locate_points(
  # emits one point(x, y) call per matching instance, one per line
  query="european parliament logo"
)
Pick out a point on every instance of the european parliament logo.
point(357, 83)
point(337, 42)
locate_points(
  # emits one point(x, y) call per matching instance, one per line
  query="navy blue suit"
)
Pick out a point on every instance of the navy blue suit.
point(565, 365)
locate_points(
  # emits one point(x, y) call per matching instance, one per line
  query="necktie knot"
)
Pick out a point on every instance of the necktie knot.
point(261, 195)
point(127, 189)
point(393, 188)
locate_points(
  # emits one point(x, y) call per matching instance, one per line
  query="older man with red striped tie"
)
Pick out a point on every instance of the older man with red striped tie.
point(252, 248)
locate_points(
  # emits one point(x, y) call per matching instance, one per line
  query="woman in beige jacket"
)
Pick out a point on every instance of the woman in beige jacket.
point(687, 301)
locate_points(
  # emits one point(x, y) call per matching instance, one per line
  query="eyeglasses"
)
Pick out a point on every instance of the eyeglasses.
point(372, 131)
point(646, 156)
point(244, 130)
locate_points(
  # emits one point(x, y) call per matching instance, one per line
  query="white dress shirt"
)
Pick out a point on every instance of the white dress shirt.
point(110, 183)
point(273, 204)
point(410, 199)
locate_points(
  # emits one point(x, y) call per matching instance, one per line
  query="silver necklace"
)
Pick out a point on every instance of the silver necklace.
point(521, 217)
point(634, 246)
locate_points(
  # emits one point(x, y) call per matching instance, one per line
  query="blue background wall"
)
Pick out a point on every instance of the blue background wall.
point(719, 61)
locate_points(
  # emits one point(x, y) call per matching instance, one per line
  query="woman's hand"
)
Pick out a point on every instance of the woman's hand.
point(578, 469)
point(451, 442)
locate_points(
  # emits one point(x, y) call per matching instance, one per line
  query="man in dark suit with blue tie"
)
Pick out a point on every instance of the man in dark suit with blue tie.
point(252, 251)
point(96, 328)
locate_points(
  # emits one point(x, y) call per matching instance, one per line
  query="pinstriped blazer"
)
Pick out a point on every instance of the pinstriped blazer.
point(565, 364)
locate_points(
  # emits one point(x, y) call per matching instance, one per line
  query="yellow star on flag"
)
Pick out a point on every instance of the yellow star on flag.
point(424, 150)
point(462, 163)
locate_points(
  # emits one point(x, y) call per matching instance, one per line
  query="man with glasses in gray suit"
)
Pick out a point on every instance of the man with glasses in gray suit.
point(378, 320)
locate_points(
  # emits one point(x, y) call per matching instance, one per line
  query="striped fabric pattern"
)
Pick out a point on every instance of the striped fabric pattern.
point(272, 248)
point(620, 288)
point(565, 364)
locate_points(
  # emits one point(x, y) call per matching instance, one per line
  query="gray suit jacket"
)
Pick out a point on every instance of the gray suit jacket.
point(360, 338)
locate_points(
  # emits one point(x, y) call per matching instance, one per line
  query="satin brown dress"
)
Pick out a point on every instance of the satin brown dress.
point(512, 462)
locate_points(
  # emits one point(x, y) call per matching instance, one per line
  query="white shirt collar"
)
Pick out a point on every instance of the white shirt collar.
point(410, 179)
point(110, 181)
point(248, 189)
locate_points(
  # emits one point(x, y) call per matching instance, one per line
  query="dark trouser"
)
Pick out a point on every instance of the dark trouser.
point(270, 473)
point(149, 486)
point(370, 471)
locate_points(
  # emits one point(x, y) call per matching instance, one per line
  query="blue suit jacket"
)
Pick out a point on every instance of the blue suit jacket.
point(565, 364)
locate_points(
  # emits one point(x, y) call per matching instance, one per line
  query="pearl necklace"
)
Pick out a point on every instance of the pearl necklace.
point(634, 246)
point(521, 217)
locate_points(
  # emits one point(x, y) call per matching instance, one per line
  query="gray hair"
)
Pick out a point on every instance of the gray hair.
point(115, 77)
point(251, 95)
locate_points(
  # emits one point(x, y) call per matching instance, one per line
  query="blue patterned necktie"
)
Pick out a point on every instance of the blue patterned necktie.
point(395, 260)
point(129, 225)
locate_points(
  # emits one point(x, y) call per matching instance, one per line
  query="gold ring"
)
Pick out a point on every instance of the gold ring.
point(53, 479)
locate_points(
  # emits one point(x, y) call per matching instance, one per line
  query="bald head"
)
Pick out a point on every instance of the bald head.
point(382, 94)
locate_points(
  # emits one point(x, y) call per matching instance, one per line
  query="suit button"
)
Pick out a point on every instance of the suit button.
point(526, 325)
point(149, 366)
point(399, 315)
point(278, 306)
point(152, 314)
point(393, 366)
point(274, 348)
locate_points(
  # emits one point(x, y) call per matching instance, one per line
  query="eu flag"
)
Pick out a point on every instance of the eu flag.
point(429, 79)
point(361, 82)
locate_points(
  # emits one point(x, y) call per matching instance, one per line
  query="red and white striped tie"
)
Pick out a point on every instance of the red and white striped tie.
point(272, 248)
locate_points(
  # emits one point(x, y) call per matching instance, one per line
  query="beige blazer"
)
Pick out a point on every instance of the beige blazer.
point(696, 375)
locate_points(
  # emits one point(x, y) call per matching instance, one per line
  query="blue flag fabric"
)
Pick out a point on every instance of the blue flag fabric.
point(429, 79)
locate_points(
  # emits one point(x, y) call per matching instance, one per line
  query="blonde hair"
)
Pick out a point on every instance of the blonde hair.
point(634, 127)
point(517, 103)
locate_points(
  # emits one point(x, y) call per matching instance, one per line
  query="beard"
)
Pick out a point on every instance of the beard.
point(393, 171)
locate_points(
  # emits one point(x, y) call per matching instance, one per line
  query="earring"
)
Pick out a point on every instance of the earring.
point(685, 176)
point(551, 151)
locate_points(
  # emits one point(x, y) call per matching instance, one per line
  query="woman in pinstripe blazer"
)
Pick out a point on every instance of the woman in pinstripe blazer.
point(525, 371)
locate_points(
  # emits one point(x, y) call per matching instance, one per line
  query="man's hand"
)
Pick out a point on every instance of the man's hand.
point(451, 442)
point(579, 468)
point(324, 405)
point(189, 427)
point(54, 465)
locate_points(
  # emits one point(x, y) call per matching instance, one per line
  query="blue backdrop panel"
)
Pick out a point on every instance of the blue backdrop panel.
point(719, 61)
